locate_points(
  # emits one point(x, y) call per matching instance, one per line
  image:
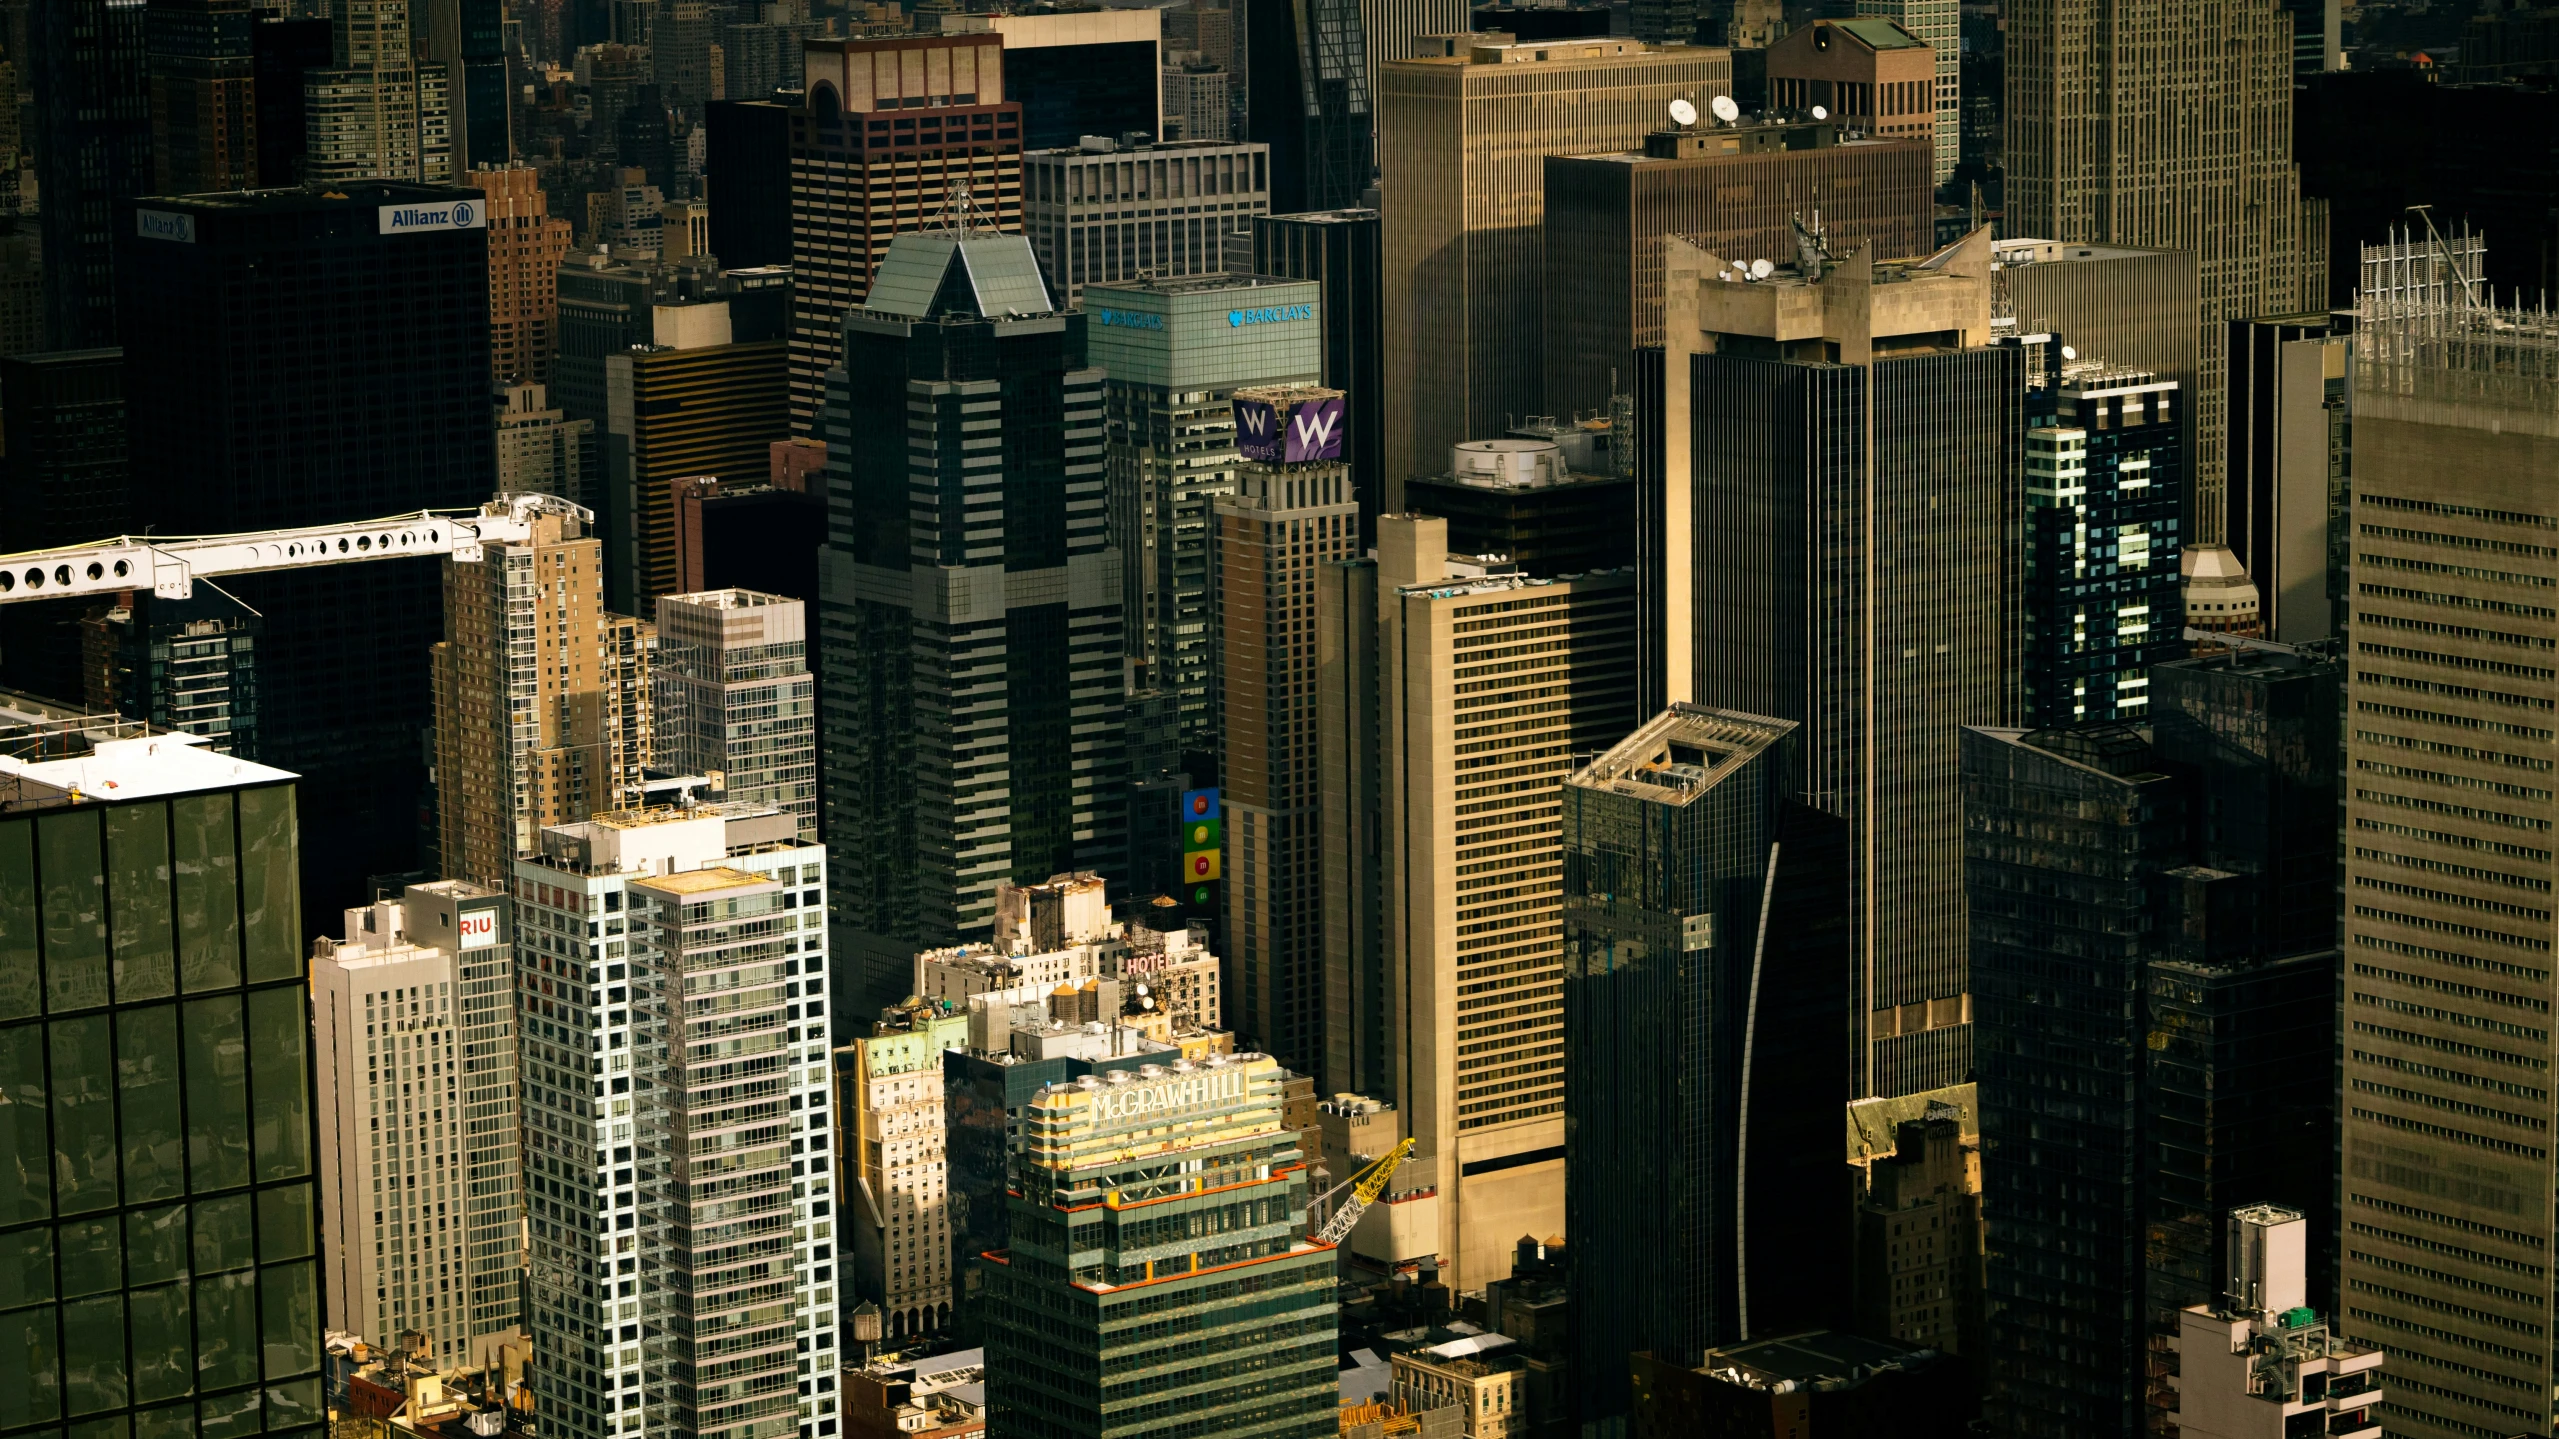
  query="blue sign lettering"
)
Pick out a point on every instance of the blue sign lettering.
point(1128, 319)
point(1272, 315)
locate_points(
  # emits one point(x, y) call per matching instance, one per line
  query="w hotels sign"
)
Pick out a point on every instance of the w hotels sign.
point(1288, 424)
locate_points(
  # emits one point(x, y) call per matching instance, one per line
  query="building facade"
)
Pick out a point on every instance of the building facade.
point(1308, 79)
point(204, 114)
point(1106, 213)
point(1870, 74)
point(413, 1019)
point(2290, 445)
point(2105, 598)
point(526, 244)
point(896, 1227)
point(88, 73)
point(706, 396)
point(1337, 249)
point(2256, 1361)
point(541, 451)
point(378, 112)
point(735, 696)
point(1939, 24)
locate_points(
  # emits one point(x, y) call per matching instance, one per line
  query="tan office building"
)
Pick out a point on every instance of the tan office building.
point(1464, 207)
point(526, 245)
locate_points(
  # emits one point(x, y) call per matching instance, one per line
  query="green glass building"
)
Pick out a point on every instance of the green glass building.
point(1161, 1283)
point(157, 1248)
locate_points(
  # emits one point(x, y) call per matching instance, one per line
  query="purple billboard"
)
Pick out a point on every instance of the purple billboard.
point(1279, 428)
point(1257, 430)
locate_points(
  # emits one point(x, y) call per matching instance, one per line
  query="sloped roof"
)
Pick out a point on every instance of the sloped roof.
point(971, 272)
point(1879, 33)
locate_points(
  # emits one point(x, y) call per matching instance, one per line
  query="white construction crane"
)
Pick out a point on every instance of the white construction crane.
point(1365, 1185)
point(169, 566)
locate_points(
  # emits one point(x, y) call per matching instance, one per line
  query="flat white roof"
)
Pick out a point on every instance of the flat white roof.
point(150, 767)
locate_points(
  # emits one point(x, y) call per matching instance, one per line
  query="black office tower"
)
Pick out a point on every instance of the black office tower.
point(92, 146)
point(485, 137)
point(1708, 1047)
point(282, 50)
point(62, 482)
point(300, 358)
point(969, 624)
point(1338, 250)
point(746, 167)
point(1307, 76)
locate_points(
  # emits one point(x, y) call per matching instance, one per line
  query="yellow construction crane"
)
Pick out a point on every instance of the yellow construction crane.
point(1365, 1185)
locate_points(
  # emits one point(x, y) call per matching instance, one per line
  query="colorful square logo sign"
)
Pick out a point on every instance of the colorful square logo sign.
point(1201, 867)
point(1198, 804)
point(1201, 834)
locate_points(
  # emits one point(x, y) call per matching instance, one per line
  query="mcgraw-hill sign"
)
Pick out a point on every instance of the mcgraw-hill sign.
point(1289, 431)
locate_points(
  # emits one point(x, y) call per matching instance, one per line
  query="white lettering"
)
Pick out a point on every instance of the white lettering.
point(1178, 1091)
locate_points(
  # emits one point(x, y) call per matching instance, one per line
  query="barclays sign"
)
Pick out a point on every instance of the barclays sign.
point(1128, 320)
point(1273, 315)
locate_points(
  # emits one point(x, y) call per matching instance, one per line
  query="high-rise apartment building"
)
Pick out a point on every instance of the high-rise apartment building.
point(2086, 163)
point(641, 1263)
point(1158, 1220)
point(1107, 213)
point(422, 1220)
point(1308, 83)
point(1463, 141)
point(1919, 1236)
point(541, 451)
point(299, 357)
point(1880, 553)
point(542, 704)
point(1195, 100)
point(1489, 684)
point(204, 114)
point(188, 665)
point(157, 1201)
point(64, 479)
point(2288, 431)
point(2448, 1182)
point(1706, 1007)
point(735, 697)
point(1337, 249)
point(1285, 520)
point(2255, 1359)
point(1174, 352)
point(1939, 25)
point(526, 244)
point(895, 1226)
point(1734, 191)
point(2105, 488)
point(704, 395)
point(88, 71)
point(378, 112)
point(970, 654)
point(895, 135)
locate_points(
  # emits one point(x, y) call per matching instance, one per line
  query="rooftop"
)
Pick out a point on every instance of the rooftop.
point(145, 767)
point(1684, 752)
point(1878, 34)
point(976, 273)
point(1818, 1358)
point(1189, 284)
point(355, 194)
point(729, 599)
point(718, 879)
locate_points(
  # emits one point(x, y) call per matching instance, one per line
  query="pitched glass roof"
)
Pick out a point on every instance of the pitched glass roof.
point(973, 272)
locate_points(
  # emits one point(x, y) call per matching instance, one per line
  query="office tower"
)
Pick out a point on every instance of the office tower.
point(1820, 1382)
point(413, 1017)
point(2447, 1179)
point(746, 163)
point(628, 216)
point(643, 140)
point(617, 919)
point(529, 735)
point(954, 138)
point(1485, 1104)
point(2257, 1355)
point(1079, 72)
point(1919, 1236)
point(2085, 166)
point(697, 399)
point(311, 357)
point(467, 38)
point(1938, 24)
point(62, 430)
point(92, 141)
point(1195, 103)
point(2104, 598)
point(377, 112)
point(157, 1202)
point(1175, 352)
point(526, 245)
point(21, 287)
point(1351, 768)
point(1527, 501)
point(926, 600)
point(1543, 22)
point(2288, 432)
point(687, 231)
point(543, 452)
point(1397, 30)
point(1873, 76)
point(204, 119)
point(1076, 205)
point(1290, 514)
point(1463, 139)
point(734, 696)
point(1881, 671)
point(611, 73)
point(755, 537)
point(1310, 102)
point(896, 1221)
point(684, 53)
point(1708, 1045)
point(1735, 192)
point(607, 304)
point(1337, 249)
point(1241, 1299)
point(282, 51)
point(758, 57)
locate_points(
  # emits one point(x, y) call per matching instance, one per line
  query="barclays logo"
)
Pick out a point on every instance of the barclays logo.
point(1240, 318)
point(1128, 320)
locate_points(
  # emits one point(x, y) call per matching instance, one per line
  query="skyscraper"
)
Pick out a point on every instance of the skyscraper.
point(1079, 72)
point(1191, 195)
point(926, 111)
point(895, 1229)
point(543, 452)
point(2099, 150)
point(156, 1202)
point(1310, 102)
point(1337, 249)
point(1393, 30)
point(204, 117)
point(413, 1014)
point(1464, 138)
point(1489, 684)
point(2289, 438)
point(1351, 765)
point(534, 734)
point(89, 73)
point(1709, 1047)
point(1940, 24)
point(1876, 564)
point(526, 244)
point(944, 578)
point(1201, 1232)
point(618, 919)
point(734, 696)
point(378, 112)
point(300, 357)
point(1268, 540)
point(1174, 353)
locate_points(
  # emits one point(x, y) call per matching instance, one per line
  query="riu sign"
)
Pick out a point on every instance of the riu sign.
point(1289, 430)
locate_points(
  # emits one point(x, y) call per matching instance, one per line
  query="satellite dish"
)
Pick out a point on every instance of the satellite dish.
point(2068, 353)
point(1761, 269)
point(1723, 274)
point(1820, 114)
point(1724, 108)
point(1683, 112)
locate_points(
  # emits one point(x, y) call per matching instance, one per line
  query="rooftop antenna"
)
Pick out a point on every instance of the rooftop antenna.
point(1683, 114)
point(1812, 245)
point(2444, 252)
point(960, 214)
point(1726, 111)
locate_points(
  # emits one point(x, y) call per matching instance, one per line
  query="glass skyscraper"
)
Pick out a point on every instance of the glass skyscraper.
point(158, 1276)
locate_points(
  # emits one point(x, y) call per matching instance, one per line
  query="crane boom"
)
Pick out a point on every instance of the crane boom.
point(170, 566)
point(1365, 1187)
